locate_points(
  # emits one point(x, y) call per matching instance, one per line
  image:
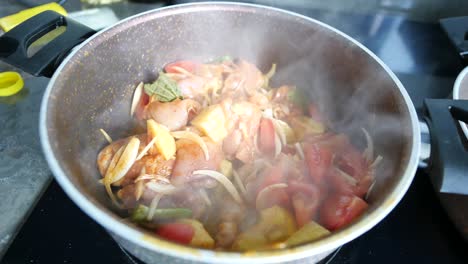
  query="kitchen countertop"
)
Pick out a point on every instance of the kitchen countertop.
point(425, 63)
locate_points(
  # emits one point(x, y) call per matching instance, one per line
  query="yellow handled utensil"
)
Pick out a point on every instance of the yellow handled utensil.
point(10, 83)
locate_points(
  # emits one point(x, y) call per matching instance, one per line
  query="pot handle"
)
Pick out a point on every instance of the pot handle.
point(14, 44)
point(448, 164)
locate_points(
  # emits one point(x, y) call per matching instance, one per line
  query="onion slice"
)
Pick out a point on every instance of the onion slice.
point(369, 151)
point(266, 190)
point(136, 97)
point(371, 187)
point(277, 145)
point(125, 162)
point(182, 70)
point(348, 178)
point(145, 150)
point(153, 206)
point(279, 131)
point(239, 182)
point(139, 188)
point(195, 138)
point(161, 187)
point(105, 181)
point(223, 180)
point(376, 162)
point(299, 150)
point(205, 197)
point(106, 136)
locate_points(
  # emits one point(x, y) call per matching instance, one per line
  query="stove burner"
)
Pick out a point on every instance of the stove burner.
point(134, 260)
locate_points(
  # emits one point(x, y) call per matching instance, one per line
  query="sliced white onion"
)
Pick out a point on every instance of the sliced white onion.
point(299, 150)
point(182, 70)
point(106, 136)
point(376, 162)
point(106, 181)
point(277, 145)
point(145, 150)
point(347, 177)
point(223, 180)
point(161, 187)
point(144, 177)
point(267, 113)
point(153, 206)
point(370, 189)
point(205, 197)
point(266, 190)
point(279, 130)
point(125, 162)
point(239, 182)
point(136, 97)
point(139, 188)
point(195, 138)
point(369, 151)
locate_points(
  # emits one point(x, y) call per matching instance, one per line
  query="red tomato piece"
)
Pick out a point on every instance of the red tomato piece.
point(355, 165)
point(338, 210)
point(305, 201)
point(318, 159)
point(189, 66)
point(266, 136)
point(342, 185)
point(177, 232)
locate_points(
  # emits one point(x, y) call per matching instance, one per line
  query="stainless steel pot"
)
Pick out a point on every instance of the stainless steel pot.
point(92, 87)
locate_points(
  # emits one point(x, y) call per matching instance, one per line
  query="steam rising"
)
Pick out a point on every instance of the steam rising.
point(351, 89)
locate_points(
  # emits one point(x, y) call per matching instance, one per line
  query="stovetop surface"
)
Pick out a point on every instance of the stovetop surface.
point(416, 231)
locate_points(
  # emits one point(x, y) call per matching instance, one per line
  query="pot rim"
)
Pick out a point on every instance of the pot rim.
point(456, 95)
point(145, 239)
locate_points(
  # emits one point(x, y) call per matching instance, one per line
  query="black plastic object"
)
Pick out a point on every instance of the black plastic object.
point(448, 165)
point(14, 44)
point(456, 29)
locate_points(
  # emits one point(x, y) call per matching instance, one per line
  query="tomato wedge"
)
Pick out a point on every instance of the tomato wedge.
point(351, 162)
point(318, 159)
point(266, 136)
point(189, 66)
point(176, 232)
point(305, 201)
point(339, 210)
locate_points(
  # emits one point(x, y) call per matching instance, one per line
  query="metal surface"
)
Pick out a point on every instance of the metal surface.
point(193, 32)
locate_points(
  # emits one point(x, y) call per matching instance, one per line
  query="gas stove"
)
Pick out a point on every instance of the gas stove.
point(417, 230)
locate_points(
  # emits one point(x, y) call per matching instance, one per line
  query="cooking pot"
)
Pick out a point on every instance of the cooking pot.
point(92, 88)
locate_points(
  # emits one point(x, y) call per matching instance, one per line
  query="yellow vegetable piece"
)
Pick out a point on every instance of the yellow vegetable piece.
point(201, 237)
point(226, 168)
point(275, 224)
point(11, 21)
point(309, 232)
point(165, 143)
point(306, 126)
point(212, 123)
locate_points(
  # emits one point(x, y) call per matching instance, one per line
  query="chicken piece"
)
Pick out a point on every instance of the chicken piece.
point(231, 213)
point(153, 164)
point(249, 120)
point(174, 115)
point(190, 157)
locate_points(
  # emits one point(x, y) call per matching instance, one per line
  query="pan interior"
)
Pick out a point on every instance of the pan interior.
point(94, 88)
